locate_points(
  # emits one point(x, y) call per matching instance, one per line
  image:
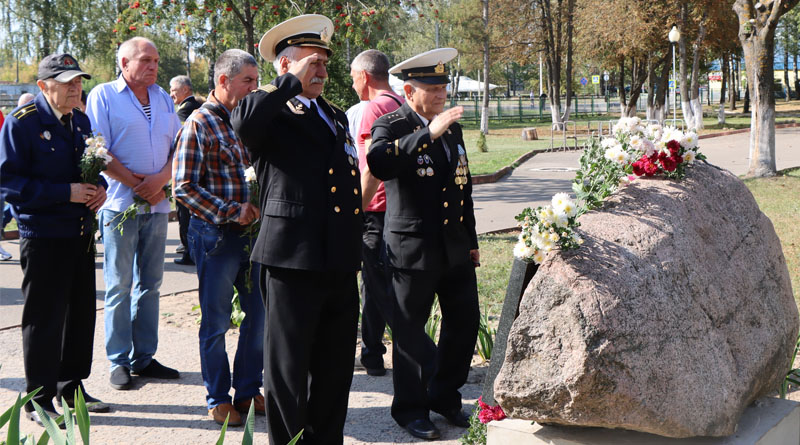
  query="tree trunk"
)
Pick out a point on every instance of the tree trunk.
point(683, 55)
point(758, 42)
point(623, 102)
point(786, 70)
point(735, 82)
point(725, 72)
point(485, 106)
point(651, 87)
point(568, 74)
point(638, 77)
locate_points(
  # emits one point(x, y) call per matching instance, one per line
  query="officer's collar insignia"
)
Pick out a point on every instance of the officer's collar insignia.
point(46, 135)
point(296, 109)
point(439, 68)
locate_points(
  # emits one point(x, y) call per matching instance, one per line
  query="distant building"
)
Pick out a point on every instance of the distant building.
point(10, 92)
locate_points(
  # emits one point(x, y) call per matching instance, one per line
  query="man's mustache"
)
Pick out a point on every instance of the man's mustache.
point(317, 80)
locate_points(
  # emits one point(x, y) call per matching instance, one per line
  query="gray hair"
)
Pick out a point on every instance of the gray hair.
point(374, 62)
point(129, 48)
point(25, 98)
point(181, 81)
point(231, 62)
point(290, 52)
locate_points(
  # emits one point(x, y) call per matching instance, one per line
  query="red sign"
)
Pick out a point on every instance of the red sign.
point(716, 77)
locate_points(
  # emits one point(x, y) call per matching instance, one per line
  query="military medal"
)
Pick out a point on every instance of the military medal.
point(46, 135)
point(350, 160)
point(429, 171)
point(420, 172)
point(428, 159)
point(419, 160)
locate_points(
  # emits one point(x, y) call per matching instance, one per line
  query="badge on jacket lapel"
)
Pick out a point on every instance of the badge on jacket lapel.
point(352, 154)
point(46, 135)
point(295, 109)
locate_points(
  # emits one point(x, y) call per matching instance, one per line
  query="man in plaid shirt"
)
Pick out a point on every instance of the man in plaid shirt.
point(209, 179)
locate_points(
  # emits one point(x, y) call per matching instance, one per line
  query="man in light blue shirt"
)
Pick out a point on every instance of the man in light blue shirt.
point(138, 121)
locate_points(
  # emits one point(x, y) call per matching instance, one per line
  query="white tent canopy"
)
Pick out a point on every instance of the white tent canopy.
point(465, 85)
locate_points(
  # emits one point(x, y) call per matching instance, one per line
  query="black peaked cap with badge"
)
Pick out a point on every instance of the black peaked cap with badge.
point(428, 67)
point(60, 67)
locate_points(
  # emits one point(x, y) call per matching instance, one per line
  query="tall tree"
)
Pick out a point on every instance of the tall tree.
point(757, 24)
point(486, 38)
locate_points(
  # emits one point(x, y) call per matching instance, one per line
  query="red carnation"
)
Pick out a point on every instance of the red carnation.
point(674, 146)
point(669, 164)
point(638, 168)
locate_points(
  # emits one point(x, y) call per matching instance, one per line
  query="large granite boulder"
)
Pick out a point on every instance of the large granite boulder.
point(675, 314)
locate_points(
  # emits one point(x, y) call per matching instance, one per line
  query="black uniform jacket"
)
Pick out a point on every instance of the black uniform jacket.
point(430, 221)
point(186, 108)
point(309, 177)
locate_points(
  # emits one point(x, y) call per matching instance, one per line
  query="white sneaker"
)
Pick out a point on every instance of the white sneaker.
point(4, 256)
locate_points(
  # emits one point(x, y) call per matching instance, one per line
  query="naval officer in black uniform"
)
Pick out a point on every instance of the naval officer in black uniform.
point(310, 238)
point(418, 151)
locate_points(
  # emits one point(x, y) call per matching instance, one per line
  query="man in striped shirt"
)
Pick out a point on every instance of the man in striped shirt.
point(209, 179)
point(137, 119)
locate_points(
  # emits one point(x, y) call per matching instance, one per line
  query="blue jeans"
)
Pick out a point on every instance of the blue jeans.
point(222, 264)
point(133, 268)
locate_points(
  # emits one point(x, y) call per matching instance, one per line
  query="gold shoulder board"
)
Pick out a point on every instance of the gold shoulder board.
point(25, 111)
point(268, 88)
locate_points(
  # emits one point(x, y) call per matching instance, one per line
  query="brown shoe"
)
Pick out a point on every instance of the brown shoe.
point(243, 406)
point(223, 410)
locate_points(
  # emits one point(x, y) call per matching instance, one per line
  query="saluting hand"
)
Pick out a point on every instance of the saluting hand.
point(442, 122)
point(301, 68)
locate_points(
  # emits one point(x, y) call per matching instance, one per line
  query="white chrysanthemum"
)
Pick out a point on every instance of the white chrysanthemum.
point(689, 156)
point(558, 201)
point(561, 220)
point(617, 154)
point(90, 142)
point(101, 151)
point(654, 131)
point(608, 142)
point(648, 147)
point(522, 251)
point(538, 257)
point(250, 174)
point(689, 140)
point(671, 134)
point(636, 142)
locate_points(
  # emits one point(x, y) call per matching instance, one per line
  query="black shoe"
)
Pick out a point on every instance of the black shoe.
point(120, 378)
point(34, 416)
point(376, 372)
point(423, 428)
point(456, 417)
point(92, 405)
point(157, 371)
point(184, 261)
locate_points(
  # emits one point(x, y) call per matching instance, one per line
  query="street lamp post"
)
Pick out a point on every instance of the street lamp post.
point(674, 37)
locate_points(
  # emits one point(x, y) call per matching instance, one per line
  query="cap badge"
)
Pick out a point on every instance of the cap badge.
point(323, 35)
point(68, 61)
point(439, 68)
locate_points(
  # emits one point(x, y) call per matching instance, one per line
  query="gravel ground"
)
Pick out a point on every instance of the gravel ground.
point(173, 411)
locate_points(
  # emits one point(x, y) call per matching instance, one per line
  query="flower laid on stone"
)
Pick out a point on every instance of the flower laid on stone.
point(489, 413)
point(633, 149)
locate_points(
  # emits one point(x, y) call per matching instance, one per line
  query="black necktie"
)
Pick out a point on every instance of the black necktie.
point(65, 120)
point(315, 109)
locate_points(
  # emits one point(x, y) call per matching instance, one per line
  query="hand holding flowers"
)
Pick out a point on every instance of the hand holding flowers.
point(94, 160)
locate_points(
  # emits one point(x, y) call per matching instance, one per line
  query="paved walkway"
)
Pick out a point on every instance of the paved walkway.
point(174, 410)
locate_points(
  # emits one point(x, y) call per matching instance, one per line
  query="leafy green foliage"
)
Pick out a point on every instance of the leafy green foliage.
point(476, 433)
point(434, 320)
point(793, 376)
point(486, 335)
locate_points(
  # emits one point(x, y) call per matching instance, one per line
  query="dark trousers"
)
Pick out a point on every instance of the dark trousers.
point(376, 291)
point(183, 226)
point(428, 376)
point(58, 316)
point(309, 344)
